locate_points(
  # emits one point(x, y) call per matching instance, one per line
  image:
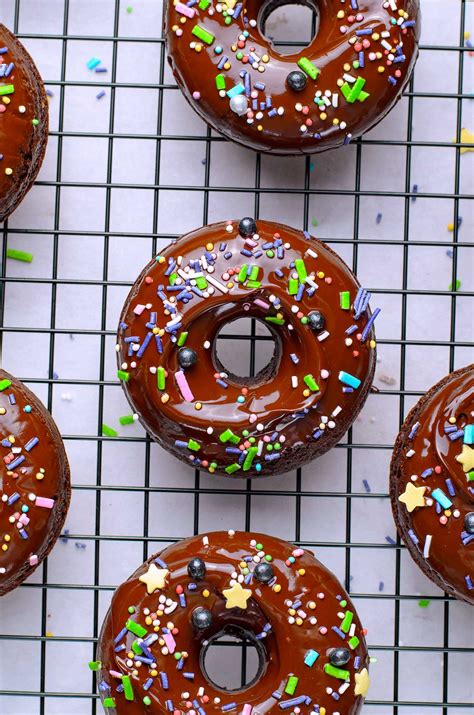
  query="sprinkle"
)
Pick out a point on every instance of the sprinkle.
point(311, 382)
point(366, 485)
point(93, 63)
point(6, 89)
point(109, 431)
point(336, 672)
point(202, 34)
point(345, 300)
point(44, 502)
point(441, 498)
point(426, 549)
point(308, 67)
point(348, 379)
point(127, 687)
point(184, 386)
point(311, 658)
point(424, 602)
point(100, 94)
point(19, 255)
point(287, 704)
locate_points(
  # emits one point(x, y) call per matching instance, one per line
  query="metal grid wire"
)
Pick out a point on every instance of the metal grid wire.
point(42, 699)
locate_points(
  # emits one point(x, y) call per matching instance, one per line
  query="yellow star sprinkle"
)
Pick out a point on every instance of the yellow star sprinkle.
point(362, 683)
point(237, 597)
point(154, 578)
point(466, 137)
point(412, 496)
point(466, 458)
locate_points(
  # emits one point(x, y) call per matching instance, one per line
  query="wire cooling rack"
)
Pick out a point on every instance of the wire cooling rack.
point(125, 173)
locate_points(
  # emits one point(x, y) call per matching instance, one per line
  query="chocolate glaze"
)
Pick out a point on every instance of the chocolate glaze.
point(22, 144)
point(330, 51)
point(48, 454)
point(449, 561)
point(279, 411)
point(282, 651)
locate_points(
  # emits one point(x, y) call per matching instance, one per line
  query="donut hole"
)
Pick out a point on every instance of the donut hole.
point(289, 26)
point(247, 351)
point(232, 660)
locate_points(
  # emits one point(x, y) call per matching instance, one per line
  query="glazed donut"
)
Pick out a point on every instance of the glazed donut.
point(258, 589)
point(23, 122)
point(432, 480)
point(34, 483)
point(289, 413)
point(342, 84)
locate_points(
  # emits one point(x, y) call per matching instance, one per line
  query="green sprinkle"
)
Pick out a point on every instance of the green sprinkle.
point(254, 273)
point(253, 284)
point(336, 672)
point(251, 454)
point(204, 4)
point(270, 253)
point(161, 378)
point(276, 321)
point(353, 642)
point(172, 278)
point(122, 375)
point(291, 685)
point(346, 623)
point(182, 339)
point(424, 603)
point(19, 255)
point(343, 603)
point(136, 648)
point(109, 431)
point(35, 122)
point(131, 609)
point(301, 270)
point(314, 222)
point(470, 476)
point(129, 9)
point(146, 700)
point(220, 81)
point(242, 273)
point(202, 34)
point(229, 436)
point(345, 299)
point(311, 382)
point(355, 92)
point(126, 420)
point(95, 665)
point(293, 286)
point(109, 702)
point(6, 89)
point(232, 468)
point(458, 283)
point(259, 547)
point(127, 687)
point(195, 446)
point(4, 384)
point(135, 628)
point(201, 283)
point(308, 67)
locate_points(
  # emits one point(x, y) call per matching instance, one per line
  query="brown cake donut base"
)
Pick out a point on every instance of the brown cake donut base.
point(395, 464)
point(64, 492)
point(29, 92)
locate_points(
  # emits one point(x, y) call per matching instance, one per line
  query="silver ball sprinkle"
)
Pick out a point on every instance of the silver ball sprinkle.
point(239, 104)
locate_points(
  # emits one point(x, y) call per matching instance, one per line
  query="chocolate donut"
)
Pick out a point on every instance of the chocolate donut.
point(34, 482)
point(432, 483)
point(289, 413)
point(23, 122)
point(258, 589)
point(345, 81)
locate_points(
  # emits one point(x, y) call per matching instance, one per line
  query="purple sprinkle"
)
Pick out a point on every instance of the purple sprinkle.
point(339, 632)
point(378, 218)
point(390, 540)
point(450, 487)
point(100, 94)
point(468, 582)
point(366, 485)
point(414, 430)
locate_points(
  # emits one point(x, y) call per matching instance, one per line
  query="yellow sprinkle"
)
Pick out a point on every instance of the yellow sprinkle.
point(340, 82)
point(340, 14)
point(198, 406)
point(209, 246)
point(265, 58)
point(299, 621)
point(205, 593)
point(6, 100)
point(380, 69)
point(323, 116)
point(230, 284)
point(4, 547)
point(448, 512)
point(49, 634)
point(292, 612)
point(335, 121)
point(320, 274)
point(452, 420)
point(306, 393)
point(259, 128)
point(372, 343)
point(467, 35)
point(148, 621)
point(198, 48)
point(312, 605)
point(165, 397)
point(277, 588)
point(376, 36)
point(39, 476)
point(227, 66)
point(161, 259)
point(8, 171)
point(450, 226)
point(153, 673)
point(7, 537)
point(301, 572)
point(2, 411)
point(347, 67)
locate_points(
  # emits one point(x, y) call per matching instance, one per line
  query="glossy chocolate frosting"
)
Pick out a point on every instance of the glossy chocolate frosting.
point(23, 122)
point(34, 482)
point(348, 78)
point(288, 414)
point(434, 453)
point(298, 619)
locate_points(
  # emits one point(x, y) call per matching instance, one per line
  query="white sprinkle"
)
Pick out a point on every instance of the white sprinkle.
point(322, 336)
point(205, 540)
point(410, 453)
point(206, 345)
point(310, 252)
point(138, 309)
point(335, 100)
point(337, 409)
point(426, 550)
point(349, 78)
point(385, 44)
point(294, 381)
point(217, 284)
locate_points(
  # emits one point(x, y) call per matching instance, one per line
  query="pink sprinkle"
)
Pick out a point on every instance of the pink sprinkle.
point(261, 303)
point(33, 560)
point(2, 108)
point(45, 502)
point(183, 386)
point(247, 709)
point(170, 642)
point(24, 520)
point(298, 552)
point(184, 10)
point(138, 309)
point(323, 630)
point(196, 95)
point(115, 674)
